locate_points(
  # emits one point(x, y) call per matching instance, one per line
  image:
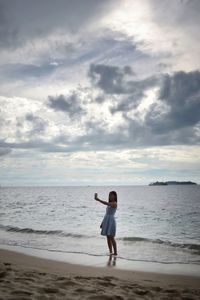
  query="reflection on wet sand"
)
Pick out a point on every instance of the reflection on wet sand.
point(112, 261)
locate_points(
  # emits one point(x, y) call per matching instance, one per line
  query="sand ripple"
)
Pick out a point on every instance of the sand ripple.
point(21, 284)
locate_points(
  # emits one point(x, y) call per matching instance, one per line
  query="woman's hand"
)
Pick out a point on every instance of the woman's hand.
point(99, 200)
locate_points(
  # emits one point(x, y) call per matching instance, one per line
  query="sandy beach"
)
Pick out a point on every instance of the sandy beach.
point(28, 277)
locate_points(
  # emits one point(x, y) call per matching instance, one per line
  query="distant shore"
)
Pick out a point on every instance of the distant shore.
point(28, 277)
point(172, 183)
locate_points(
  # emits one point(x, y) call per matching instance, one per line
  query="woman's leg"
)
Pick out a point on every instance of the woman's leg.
point(114, 244)
point(109, 241)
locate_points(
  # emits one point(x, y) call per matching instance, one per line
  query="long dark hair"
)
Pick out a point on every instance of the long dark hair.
point(114, 194)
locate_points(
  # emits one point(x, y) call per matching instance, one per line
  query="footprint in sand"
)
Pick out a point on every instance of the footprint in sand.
point(7, 264)
point(21, 293)
point(105, 297)
point(3, 274)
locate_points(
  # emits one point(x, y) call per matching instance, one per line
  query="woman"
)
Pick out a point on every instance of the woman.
point(108, 225)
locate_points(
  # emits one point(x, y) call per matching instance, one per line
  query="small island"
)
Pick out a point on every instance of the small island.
point(172, 183)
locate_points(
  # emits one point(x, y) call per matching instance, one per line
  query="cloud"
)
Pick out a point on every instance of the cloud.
point(179, 22)
point(23, 20)
point(18, 72)
point(168, 31)
point(7, 32)
point(38, 124)
point(136, 93)
point(68, 104)
point(121, 82)
point(4, 151)
point(172, 119)
point(185, 13)
point(36, 143)
point(110, 79)
point(180, 93)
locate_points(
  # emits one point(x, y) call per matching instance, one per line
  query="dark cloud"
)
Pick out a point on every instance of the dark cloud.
point(111, 79)
point(68, 104)
point(22, 20)
point(114, 80)
point(180, 93)
point(137, 91)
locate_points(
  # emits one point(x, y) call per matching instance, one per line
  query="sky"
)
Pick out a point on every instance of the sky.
point(99, 92)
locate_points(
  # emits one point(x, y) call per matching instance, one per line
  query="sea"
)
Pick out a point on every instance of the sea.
point(155, 224)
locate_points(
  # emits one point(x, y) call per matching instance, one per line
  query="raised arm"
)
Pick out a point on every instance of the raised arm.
point(99, 200)
point(112, 204)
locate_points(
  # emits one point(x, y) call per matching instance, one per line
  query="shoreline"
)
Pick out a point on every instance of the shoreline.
point(118, 263)
point(37, 278)
point(29, 261)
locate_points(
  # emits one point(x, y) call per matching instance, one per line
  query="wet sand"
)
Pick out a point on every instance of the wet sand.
point(29, 277)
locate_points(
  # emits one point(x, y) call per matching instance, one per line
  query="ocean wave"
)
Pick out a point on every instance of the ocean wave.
point(195, 247)
point(38, 231)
